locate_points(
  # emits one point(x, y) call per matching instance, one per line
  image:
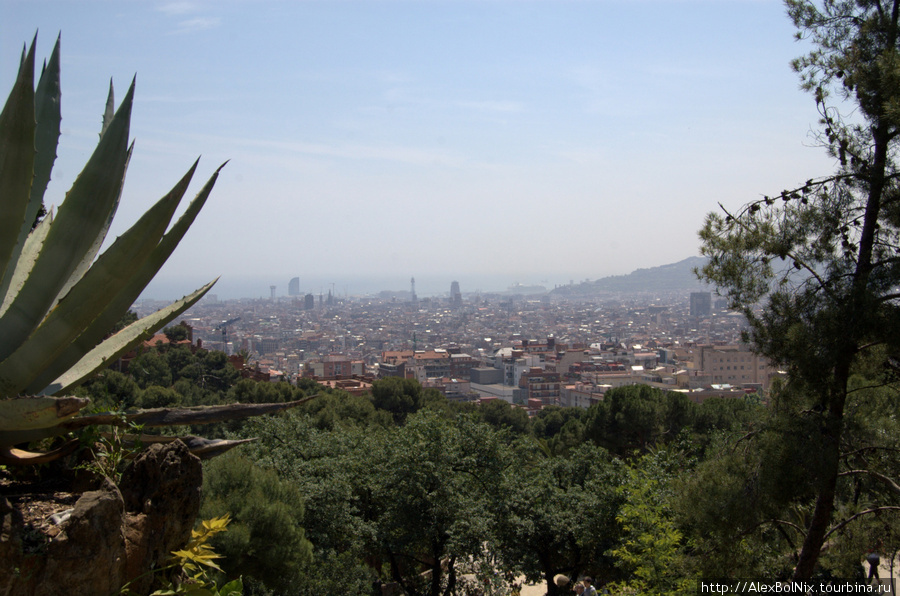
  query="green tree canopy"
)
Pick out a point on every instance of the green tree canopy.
point(557, 514)
point(398, 396)
point(501, 414)
point(265, 539)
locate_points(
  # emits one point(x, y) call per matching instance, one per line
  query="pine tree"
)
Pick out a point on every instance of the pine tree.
point(815, 268)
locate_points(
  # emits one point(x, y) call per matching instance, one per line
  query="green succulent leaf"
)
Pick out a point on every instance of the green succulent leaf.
point(80, 219)
point(232, 588)
point(58, 299)
point(17, 154)
point(86, 299)
point(110, 109)
point(123, 341)
point(46, 139)
point(88, 258)
point(26, 258)
point(119, 304)
point(23, 413)
point(48, 111)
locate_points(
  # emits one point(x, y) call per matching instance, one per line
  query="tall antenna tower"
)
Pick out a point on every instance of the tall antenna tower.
point(412, 289)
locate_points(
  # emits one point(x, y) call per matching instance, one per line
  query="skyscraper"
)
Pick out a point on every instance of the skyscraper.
point(294, 287)
point(455, 295)
point(701, 304)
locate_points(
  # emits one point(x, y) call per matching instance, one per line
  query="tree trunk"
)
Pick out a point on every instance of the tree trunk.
point(834, 424)
point(436, 569)
point(549, 572)
point(451, 576)
point(551, 586)
point(821, 519)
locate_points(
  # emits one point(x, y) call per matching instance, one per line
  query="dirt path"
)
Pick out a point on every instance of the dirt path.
point(534, 590)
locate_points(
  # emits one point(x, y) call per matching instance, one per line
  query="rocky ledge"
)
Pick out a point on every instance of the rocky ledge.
point(65, 543)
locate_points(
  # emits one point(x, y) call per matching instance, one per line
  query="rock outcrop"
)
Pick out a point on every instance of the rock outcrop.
point(112, 536)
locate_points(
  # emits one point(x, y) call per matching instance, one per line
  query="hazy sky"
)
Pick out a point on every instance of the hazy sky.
point(535, 140)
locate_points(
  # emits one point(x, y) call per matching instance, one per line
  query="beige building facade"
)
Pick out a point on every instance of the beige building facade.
point(736, 365)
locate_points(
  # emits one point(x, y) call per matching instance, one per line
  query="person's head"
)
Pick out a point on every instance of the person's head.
point(587, 581)
point(578, 589)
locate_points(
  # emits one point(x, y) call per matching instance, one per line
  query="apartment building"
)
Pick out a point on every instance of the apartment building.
point(336, 366)
point(418, 364)
point(736, 365)
point(540, 384)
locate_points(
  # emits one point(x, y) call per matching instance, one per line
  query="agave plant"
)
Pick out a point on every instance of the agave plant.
point(59, 298)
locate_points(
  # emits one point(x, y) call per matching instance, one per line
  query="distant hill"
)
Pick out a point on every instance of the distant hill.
point(665, 278)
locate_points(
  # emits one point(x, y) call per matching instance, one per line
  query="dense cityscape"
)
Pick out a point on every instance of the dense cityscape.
point(529, 346)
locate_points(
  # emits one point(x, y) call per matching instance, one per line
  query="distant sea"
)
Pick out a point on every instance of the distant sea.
point(233, 287)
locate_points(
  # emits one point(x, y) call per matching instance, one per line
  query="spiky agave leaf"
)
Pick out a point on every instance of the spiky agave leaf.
point(10, 456)
point(199, 446)
point(48, 381)
point(59, 302)
point(87, 258)
point(79, 220)
point(46, 139)
point(14, 432)
point(157, 417)
point(110, 110)
point(38, 412)
point(48, 112)
point(17, 126)
point(89, 255)
point(21, 268)
point(32, 418)
point(108, 275)
point(89, 297)
point(56, 301)
point(123, 341)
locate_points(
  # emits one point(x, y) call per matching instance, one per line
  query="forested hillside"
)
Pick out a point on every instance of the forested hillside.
point(645, 491)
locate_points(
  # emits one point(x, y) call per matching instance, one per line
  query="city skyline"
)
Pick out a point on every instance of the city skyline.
point(667, 277)
point(526, 141)
point(426, 286)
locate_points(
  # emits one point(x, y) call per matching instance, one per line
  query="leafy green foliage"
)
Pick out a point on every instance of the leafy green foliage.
point(403, 499)
point(193, 566)
point(177, 333)
point(557, 514)
point(636, 418)
point(651, 548)
point(198, 559)
point(746, 505)
point(265, 540)
point(178, 375)
point(109, 451)
point(331, 471)
point(398, 396)
point(151, 369)
point(386, 498)
point(501, 414)
point(434, 487)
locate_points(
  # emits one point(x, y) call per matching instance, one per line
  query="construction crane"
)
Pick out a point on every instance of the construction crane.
point(223, 326)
